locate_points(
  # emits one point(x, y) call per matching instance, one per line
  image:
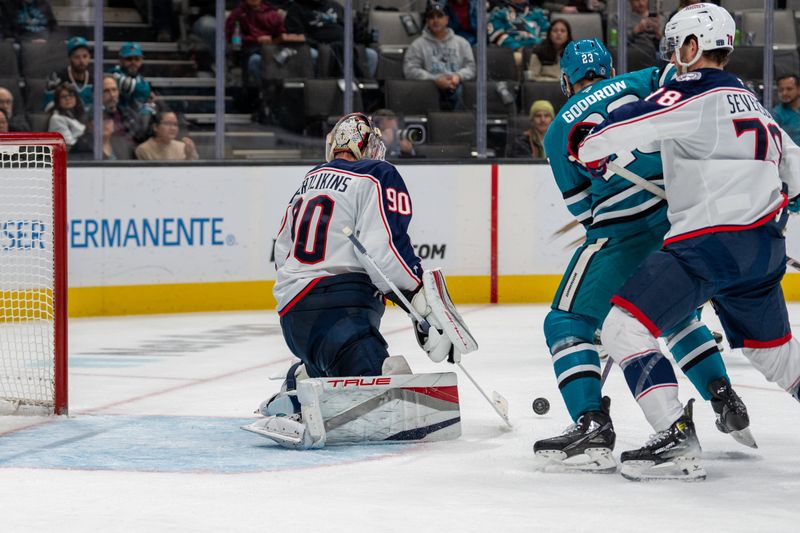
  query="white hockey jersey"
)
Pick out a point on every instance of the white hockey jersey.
point(725, 159)
point(368, 196)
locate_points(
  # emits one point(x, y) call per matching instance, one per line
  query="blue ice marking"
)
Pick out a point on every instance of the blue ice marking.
point(165, 444)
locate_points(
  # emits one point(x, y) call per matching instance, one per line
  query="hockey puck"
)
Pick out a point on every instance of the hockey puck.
point(541, 406)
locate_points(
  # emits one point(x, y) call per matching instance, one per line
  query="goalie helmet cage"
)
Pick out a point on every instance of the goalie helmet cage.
point(33, 274)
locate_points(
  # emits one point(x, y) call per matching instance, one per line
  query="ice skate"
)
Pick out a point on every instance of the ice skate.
point(731, 412)
point(288, 431)
point(669, 454)
point(585, 446)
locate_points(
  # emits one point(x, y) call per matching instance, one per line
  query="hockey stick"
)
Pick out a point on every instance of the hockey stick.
point(658, 191)
point(500, 404)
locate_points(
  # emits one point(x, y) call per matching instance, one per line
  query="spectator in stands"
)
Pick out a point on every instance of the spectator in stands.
point(516, 24)
point(787, 113)
point(531, 142)
point(134, 89)
point(15, 122)
point(77, 73)
point(544, 64)
point(130, 125)
point(114, 146)
point(322, 22)
point(258, 23)
point(463, 18)
point(3, 121)
point(68, 116)
point(386, 120)
point(441, 56)
point(644, 27)
point(28, 20)
point(164, 146)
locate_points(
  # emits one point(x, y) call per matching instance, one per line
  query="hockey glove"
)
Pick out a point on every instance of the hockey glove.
point(435, 343)
point(794, 205)
point(579, 132)
point(576, 136)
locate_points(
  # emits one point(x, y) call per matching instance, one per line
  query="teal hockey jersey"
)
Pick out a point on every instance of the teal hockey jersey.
point(611, 206)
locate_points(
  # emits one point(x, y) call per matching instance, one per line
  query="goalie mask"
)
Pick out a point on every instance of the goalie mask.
point(711, 25)
point(354, 133)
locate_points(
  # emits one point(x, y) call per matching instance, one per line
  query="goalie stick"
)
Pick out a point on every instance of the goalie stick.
point(498, 403)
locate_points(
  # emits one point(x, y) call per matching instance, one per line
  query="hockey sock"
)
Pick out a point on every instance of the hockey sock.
point(576, 362)
point(577, 368)
point(653, 384)
point(695, 350)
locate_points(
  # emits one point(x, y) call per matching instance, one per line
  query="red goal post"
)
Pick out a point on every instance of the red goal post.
point(33, 273)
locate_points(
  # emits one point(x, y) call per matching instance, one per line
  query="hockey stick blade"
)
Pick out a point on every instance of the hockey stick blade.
point(501, 403)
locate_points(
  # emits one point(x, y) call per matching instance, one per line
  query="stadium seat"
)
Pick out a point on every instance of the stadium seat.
point(34, 94)
point(584, 25)
point(392, 35)
point(39, 121)
point(500, 63)
point(452, 127)
point(390, 67)
point(747, 62)
point(8, 60)
point(38, 60)
point(412, 97)
point(784, 28)
point(277, 65)
point(323, 100)
point(541, 90)
point(494, 101)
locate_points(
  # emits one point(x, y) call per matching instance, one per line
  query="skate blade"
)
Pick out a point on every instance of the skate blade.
point(679, 468)
point(744, 436)
point(287, 441)
point(594, 460)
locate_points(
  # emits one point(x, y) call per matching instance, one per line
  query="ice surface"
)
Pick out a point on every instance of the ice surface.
point(153, 444)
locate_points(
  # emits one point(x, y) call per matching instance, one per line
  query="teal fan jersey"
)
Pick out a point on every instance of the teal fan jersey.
point(611, 206)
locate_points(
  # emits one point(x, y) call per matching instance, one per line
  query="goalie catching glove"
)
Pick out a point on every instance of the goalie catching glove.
point(448, 336)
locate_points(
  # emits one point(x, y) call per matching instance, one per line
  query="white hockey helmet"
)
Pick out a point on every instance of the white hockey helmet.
point(712, 25)
point(355, 133)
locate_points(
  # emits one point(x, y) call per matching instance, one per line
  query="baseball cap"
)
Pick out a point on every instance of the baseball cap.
point(76, 42)
point(434, 7)
point(130, 50)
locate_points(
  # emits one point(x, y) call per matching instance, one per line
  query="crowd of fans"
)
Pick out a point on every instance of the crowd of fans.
point(137, 123)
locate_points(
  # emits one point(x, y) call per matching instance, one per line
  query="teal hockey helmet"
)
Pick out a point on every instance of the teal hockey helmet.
point(587, 58)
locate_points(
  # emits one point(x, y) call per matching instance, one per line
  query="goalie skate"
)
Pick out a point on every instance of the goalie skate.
point(669, 454)
point(585, 446)
point(288, 431)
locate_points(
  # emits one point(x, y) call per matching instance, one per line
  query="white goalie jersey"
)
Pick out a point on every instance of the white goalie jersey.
point(725, 159)
point(368, 196)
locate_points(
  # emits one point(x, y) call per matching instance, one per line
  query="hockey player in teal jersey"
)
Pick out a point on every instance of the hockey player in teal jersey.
point(623, 224)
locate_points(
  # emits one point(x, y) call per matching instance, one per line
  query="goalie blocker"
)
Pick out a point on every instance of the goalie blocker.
point(370, 410)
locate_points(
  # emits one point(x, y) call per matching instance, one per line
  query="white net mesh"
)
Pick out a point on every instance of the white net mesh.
point(27, 342)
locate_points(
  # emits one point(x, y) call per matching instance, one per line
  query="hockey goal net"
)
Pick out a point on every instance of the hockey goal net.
point(33, 274)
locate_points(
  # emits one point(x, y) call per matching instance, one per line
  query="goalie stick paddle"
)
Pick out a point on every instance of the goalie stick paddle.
point(500, 404)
